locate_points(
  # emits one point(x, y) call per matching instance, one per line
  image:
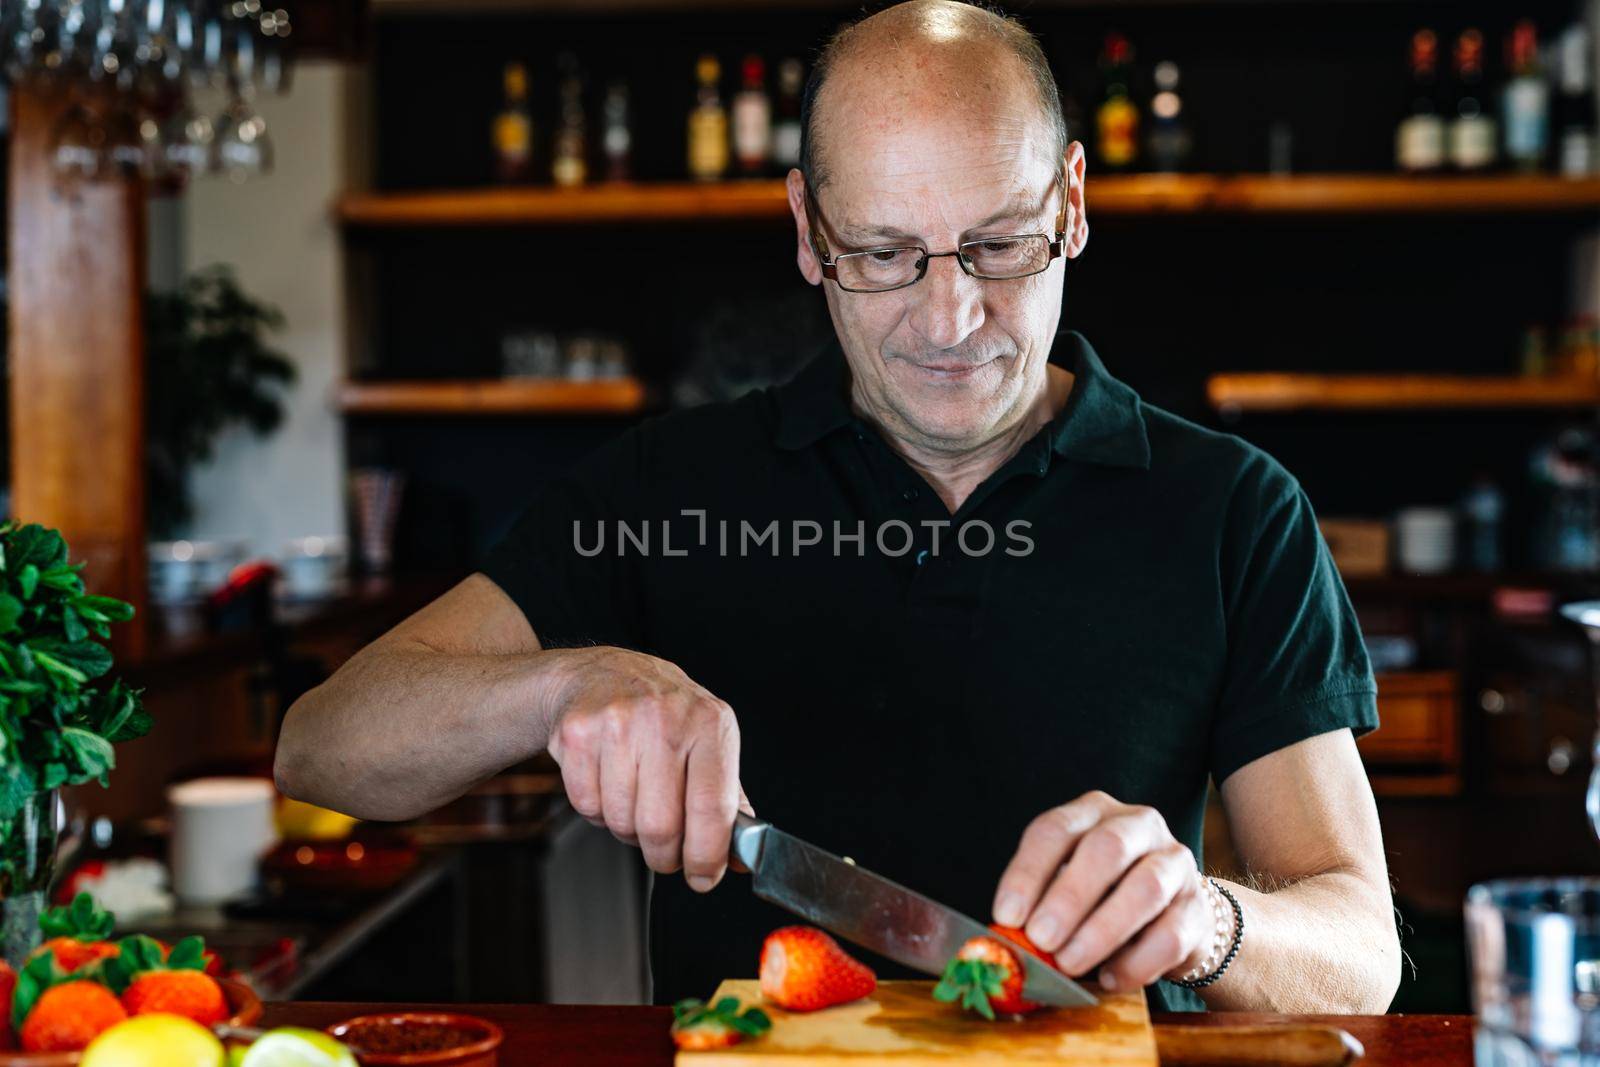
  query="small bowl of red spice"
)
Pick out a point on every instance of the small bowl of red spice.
point(421, 1039)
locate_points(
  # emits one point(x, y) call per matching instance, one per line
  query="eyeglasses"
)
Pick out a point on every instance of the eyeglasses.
point(993, 259)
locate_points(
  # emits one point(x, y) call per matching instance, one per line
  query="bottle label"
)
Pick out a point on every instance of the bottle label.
point(1527, 112)
point(513, 137)
point(1472, 142)
point(708, 143)
point(1419, 143)
point(752, 128)
point(1577, 152)
point(1119, 130)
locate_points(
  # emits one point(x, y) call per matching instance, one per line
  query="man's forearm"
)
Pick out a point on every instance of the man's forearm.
point(1327, 943)
point(401, 729)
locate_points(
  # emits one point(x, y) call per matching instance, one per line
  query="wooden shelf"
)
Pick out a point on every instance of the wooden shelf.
point(1132, 195)
point(1395, 392)
point(525, 396)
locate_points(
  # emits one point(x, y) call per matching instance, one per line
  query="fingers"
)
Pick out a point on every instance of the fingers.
point(1162, 947)
point(711, 798)
point(619, 779)
point(580, 770)
point(1099, 860)
point(1144, 893)
point(1045, 846)
point(658, 809)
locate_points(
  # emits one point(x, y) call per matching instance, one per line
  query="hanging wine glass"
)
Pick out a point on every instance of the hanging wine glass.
point(244, 148)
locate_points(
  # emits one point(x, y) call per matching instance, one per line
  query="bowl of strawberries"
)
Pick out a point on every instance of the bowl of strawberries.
point(79, 982)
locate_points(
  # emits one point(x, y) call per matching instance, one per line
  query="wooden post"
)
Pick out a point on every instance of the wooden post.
point(77, 280)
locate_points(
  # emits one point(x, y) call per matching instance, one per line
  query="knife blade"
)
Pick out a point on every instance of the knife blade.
point(874, 912)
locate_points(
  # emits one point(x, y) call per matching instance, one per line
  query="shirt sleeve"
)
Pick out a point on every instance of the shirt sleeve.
point(1297, 666)
point(560, 561)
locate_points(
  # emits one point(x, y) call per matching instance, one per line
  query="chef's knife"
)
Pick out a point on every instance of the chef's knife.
point(874, 912)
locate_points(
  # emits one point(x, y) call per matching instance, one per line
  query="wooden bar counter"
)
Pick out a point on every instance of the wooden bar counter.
point(603, 1036)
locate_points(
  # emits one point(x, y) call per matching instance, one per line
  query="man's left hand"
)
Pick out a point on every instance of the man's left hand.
point(1100, 883)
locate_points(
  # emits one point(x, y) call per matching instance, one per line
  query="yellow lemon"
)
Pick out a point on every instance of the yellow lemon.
point(292, 1046)
point(298, 819)
point(155, 1040)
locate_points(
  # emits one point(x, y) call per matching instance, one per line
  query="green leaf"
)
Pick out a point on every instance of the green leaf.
point(10, 612)
point(28, 580)
point(109, 608)
point(685, 1006)
point(92, 752)
point(21, 687)
point(72, 625)
point(726, 1004)
point(40, 974)
point(188, 955)
point(65, 579)
point(89, 658)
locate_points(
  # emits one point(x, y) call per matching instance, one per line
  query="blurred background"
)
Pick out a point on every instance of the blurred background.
point(305, 303)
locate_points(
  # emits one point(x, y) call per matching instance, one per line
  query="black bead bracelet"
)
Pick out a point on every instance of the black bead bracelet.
point(1233, 949)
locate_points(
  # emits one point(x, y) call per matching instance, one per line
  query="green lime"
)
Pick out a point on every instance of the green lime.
point(294, 1046)
point(154, 1040)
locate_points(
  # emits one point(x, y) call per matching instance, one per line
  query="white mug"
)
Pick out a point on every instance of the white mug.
point(220, 828)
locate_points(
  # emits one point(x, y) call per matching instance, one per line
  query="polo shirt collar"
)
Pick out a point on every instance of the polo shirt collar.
point(1102, 423)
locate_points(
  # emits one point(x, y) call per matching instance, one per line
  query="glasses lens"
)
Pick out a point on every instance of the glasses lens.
point(1008, 257)
point(886, 268)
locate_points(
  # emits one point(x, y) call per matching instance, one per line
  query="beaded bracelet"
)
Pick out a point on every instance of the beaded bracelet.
point(1204, 974)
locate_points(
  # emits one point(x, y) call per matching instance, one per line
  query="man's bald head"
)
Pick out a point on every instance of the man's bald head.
point(924, 46)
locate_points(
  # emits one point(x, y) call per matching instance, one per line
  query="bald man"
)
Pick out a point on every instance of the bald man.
point(954, 601)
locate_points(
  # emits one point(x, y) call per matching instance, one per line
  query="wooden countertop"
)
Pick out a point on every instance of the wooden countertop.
point(605, 1036)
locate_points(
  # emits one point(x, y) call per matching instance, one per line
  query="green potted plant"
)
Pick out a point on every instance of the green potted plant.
point(59, 717)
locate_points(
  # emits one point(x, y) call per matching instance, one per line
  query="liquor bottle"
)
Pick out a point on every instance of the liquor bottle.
point(617, 137)
point(786, 126)
point(512, 129)
point(708, 124)
point(1575, 110)
point(1170, 140)
point(1526, 100)
point(1118, 118)
point(1419, 139)
point(569, 163)
point(1473, 142)
point(752, 120)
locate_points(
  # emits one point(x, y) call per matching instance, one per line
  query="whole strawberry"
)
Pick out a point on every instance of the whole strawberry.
point(68, 1016)
point(76, 934)
point(697, 1026)
point(986, 976)
point(151, 978)
point(804, 969)
point(192, 994)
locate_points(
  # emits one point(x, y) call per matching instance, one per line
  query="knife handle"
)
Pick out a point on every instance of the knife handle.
point(744, 850)
point(1255, 1046)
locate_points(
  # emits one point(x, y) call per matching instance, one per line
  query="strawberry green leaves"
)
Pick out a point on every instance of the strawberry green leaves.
point(691, 1013)
point(83, 920)
point(973, 983)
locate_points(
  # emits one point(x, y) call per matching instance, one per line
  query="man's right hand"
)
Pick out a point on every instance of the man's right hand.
point(649, 755)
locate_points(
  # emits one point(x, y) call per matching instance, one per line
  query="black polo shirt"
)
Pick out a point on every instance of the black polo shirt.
point(1151, 606)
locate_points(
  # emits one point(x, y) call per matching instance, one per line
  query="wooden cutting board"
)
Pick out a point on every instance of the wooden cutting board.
point(901, 1024)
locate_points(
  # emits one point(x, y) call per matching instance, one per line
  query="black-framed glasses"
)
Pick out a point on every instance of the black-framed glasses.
point(993, 259)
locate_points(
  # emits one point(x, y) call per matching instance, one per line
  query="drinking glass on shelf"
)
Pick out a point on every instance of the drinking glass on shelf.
point(1534, 946)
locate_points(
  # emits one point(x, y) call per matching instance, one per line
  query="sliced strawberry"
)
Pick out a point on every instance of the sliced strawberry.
point(1013, 934)
point(697, 1025)
point(986, 976)
point(804, 969)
